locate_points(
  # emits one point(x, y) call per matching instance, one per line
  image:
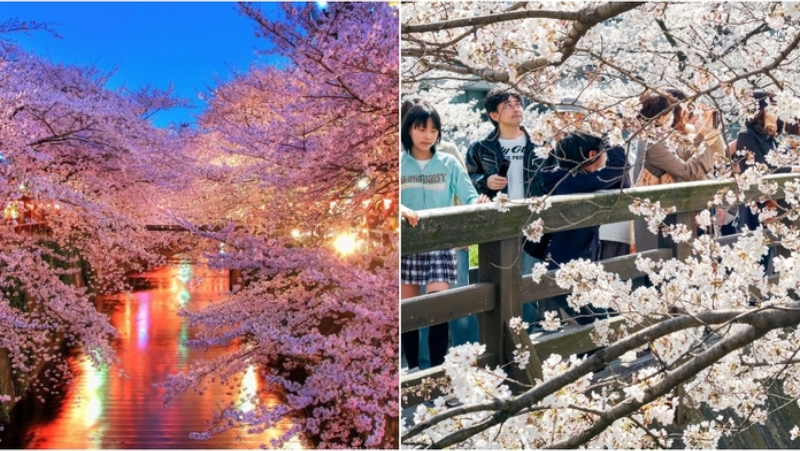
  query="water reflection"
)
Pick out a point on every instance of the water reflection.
point(249, 388)
point(143, 320)
point(100, 409)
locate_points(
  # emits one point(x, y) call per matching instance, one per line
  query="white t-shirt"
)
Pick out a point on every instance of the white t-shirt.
point(422, 163)
point(514, 150)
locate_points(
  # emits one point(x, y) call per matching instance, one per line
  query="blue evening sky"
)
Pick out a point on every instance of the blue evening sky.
point(190, 45)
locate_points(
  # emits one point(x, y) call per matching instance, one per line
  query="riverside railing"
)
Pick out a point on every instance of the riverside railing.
point(501, 290)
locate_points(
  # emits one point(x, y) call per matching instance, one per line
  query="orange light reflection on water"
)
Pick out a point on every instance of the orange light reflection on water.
point(143, 321)
point(249, 388)
point(104, 410)
point(95, 379)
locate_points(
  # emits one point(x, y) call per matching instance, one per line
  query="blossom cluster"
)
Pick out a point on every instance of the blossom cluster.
point(80, 166)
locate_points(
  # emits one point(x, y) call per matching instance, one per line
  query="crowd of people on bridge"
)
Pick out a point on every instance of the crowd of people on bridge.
point(435, 174)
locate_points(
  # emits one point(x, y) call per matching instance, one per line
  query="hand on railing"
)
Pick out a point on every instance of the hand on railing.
point(409, 215)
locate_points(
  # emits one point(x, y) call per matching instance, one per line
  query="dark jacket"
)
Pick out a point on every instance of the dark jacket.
point(585, 242)
point(760, 145)
point(484, 157)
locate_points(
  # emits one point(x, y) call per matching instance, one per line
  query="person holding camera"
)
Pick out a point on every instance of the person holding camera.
point(691, 160)
point(696, 142)
point(508, 141)
point(507, 146)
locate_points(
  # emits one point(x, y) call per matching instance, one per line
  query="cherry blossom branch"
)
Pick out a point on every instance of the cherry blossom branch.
point(504, 409)
point(584, 20)
point(672, 380)
point(591, 17)
point(630, 76)
point(605, 11)
point(790, 47)
point(567, 49)
point(773, 380)
point(514, 7)
point(652, 436)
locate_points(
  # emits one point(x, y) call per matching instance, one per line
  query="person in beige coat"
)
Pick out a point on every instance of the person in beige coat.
point(699, 142)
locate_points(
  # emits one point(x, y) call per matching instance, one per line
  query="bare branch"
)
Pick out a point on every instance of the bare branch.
point(584, 20)
point(492, 19)
point(589, 18)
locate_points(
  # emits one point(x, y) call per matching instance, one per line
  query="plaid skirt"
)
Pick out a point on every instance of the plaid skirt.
point(427, 267)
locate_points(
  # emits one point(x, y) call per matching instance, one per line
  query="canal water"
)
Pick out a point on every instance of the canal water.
point(101, 409)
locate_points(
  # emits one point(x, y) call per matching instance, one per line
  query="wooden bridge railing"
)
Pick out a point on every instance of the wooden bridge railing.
point(501, 290)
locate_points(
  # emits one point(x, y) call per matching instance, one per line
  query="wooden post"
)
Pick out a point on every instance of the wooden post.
point(499, 263)
point(681, 251)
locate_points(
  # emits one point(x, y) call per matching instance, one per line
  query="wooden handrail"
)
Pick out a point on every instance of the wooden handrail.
point(423, 311)
point(445, 228)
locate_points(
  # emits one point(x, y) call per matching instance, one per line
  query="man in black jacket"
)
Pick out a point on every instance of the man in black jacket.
point(509, 141)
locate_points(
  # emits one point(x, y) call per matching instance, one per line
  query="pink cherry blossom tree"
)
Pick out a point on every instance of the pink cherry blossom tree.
point(293, 157)
point(78, 163)
point(608, 55)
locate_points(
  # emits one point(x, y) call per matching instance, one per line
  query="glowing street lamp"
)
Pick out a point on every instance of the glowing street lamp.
point(320, 11)
point(345, 243)
point(11, 212)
